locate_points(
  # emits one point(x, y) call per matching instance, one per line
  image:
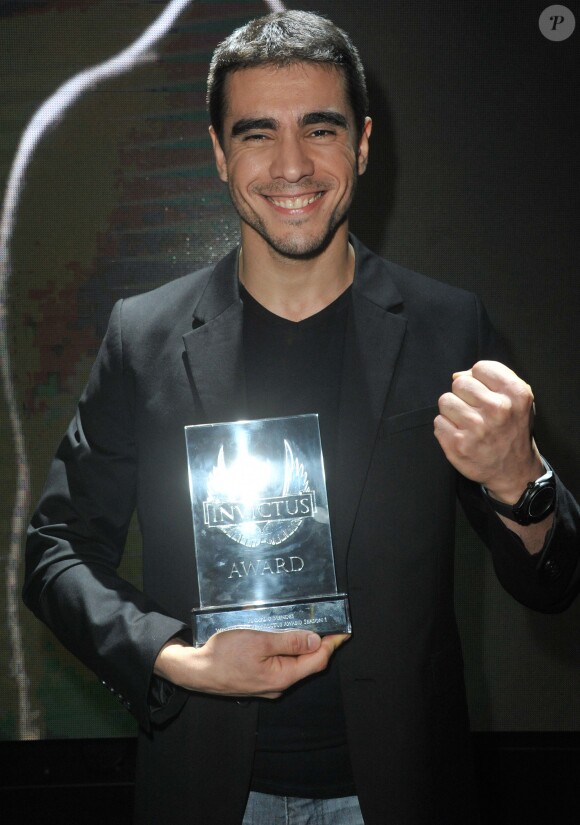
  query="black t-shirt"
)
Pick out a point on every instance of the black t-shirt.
point(294, 368)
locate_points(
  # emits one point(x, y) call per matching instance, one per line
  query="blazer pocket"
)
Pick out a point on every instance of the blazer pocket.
point(446, 668)
point(409, 420)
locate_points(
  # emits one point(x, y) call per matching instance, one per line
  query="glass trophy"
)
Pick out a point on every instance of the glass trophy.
point(262, 534)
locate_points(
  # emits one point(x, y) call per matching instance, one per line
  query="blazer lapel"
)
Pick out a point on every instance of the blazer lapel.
point(375, 333)
point(214, 347)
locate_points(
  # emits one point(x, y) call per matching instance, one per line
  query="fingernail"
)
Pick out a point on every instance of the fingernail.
point(312, 642)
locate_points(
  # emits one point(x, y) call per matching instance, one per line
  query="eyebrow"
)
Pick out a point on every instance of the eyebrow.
point(244, 125)
point(329, 116)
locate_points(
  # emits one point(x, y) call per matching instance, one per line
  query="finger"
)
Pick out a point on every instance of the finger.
point(477, 394)
point(499, 378)
point(319, 659)
point(458, 412)
point(335, 640)
point(493, 374)
point(444, 427)
point(460, 372)
point(291, 643)
point(498, 392)
point(293, 669)
point(451, 438)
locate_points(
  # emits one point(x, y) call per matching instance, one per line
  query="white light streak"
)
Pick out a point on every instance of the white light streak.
point(46, 117)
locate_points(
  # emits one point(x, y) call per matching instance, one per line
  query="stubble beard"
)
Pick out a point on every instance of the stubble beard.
point(299, 248)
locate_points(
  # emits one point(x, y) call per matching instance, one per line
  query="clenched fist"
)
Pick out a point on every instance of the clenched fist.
point(485, 426)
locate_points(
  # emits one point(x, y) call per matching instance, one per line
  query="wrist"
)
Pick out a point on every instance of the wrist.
point(170, 660)
point(535, 503)
point(509, 490)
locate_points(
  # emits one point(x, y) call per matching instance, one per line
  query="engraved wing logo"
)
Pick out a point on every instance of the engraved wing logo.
point(246, 484)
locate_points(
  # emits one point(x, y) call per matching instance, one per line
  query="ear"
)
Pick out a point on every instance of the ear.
point(363, 146)
point(220, 158)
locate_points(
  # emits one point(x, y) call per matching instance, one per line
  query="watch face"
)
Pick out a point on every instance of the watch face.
point(541, 501)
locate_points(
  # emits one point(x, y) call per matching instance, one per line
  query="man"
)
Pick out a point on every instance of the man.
point(378, 730)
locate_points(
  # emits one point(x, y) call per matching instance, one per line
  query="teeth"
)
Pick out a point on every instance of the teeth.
point(296, 203)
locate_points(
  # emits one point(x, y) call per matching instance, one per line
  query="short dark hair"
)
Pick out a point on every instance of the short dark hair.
point(282, 39)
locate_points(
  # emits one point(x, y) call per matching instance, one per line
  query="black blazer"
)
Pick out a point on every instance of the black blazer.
point(173, 357)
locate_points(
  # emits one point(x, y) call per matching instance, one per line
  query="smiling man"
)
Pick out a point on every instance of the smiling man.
point(264, 728)
point(291, 155)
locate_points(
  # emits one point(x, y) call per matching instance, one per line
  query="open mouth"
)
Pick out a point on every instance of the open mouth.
point(299, 202)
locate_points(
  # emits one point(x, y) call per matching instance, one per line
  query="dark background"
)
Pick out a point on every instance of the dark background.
point(473, 180)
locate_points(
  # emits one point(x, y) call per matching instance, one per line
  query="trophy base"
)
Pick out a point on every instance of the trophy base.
point(322, 614)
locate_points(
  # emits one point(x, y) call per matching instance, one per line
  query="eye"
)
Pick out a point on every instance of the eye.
point(255, 137)
point(323, 132)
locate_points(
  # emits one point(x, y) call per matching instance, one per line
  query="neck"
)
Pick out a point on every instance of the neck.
point(294, 288)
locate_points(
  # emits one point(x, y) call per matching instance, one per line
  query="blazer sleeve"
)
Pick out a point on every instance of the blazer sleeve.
point(76, 539)
point(548, 581)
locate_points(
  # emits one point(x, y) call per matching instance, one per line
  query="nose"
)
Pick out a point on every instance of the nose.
point(291, 160)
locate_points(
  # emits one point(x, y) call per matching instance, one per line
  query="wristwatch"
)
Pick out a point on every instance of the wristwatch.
point(536, 502)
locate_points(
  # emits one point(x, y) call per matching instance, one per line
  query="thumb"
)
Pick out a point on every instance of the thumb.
point(294, 642)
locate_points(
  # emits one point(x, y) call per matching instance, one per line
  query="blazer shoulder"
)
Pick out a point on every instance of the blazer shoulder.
point(433, 310)
point(180, 294)
point(441, 311)
point(386, 281)
point(414, 286)
point(172, 307)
